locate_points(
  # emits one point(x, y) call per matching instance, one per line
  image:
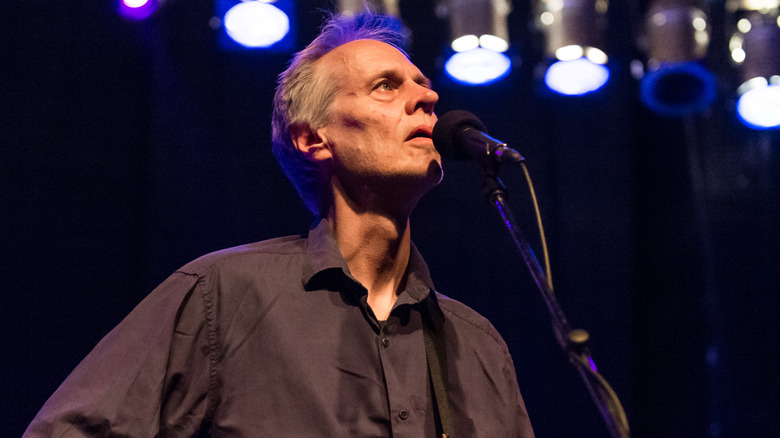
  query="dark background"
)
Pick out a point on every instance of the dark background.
point(130, 148)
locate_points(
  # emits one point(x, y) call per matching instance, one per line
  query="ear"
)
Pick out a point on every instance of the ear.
point(310, 143)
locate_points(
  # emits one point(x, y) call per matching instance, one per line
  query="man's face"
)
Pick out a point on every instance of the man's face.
point(379, 130)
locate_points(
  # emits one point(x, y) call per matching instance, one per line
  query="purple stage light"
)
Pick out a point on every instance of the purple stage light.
point(137, 9)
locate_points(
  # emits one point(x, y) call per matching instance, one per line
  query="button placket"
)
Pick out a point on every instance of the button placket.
point(387, 330)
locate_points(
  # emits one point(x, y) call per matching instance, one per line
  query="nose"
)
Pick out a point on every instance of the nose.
point(423, 98)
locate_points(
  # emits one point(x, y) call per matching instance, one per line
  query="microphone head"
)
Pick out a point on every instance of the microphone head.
point(446, 134)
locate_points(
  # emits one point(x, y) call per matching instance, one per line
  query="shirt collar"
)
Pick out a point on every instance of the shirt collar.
point(323, 255)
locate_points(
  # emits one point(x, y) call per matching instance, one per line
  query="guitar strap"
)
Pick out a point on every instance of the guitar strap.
point(433, 331)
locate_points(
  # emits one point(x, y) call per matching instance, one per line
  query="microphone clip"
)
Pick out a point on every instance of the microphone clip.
point(495, 150)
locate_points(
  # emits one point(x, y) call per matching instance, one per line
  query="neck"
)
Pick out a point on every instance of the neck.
point(376, 247)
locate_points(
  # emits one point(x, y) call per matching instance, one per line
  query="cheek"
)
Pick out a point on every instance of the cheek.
point(351, 122)
point(385, 115)
point(368, 127)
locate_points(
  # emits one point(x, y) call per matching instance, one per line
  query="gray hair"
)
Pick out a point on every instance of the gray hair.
point(303, 97)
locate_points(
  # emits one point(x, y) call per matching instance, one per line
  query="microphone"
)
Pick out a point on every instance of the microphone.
point(461, 136)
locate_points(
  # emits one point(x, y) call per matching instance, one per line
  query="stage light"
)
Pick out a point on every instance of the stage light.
point(754, 49)
point(479, 39)
point(576, 77)
point(478, 66)
point(137, 9)
point(759, 106)
point(256, 24)
point(386, 7)
point(676, 83)
point(573, 33)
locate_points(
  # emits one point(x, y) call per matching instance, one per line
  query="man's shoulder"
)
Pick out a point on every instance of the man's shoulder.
point(464, 318)
point(287, 245)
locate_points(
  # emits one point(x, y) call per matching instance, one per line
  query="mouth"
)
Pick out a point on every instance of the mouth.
point(422, 131)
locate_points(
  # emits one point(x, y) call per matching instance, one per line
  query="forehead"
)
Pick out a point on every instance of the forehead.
point(363, 57)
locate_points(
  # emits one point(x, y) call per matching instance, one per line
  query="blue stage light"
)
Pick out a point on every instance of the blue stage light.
point(754, 49)
point(478, 66)
point(576, 77)
point(480, 37)
point(678, 89)
point(137, 9)
point(256, 24)
point(759, 106)
point(676, 42)
point(574, 43)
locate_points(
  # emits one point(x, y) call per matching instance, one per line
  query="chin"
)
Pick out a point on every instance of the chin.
point(418, 181)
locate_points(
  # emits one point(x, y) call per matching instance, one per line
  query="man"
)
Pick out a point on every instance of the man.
point(312, 336)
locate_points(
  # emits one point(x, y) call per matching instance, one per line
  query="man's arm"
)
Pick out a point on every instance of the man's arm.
point(148, 375)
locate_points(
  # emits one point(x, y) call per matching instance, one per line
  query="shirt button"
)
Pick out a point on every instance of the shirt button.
point(386, 342)
point(403, 414)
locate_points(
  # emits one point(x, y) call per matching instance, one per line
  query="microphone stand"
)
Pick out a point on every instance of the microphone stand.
point(573, 342)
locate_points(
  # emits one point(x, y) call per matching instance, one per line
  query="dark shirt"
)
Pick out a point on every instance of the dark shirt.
point(276, 339)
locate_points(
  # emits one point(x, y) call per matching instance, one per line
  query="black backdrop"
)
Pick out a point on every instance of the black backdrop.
point(130, 148)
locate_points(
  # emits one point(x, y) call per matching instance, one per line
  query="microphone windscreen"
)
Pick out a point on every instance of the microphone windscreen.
point(446, 134)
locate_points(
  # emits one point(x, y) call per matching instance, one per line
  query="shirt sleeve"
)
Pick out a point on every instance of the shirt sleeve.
point(150, 376)
point(522, 427)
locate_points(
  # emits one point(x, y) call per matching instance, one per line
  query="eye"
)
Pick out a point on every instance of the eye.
point(385, 85)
